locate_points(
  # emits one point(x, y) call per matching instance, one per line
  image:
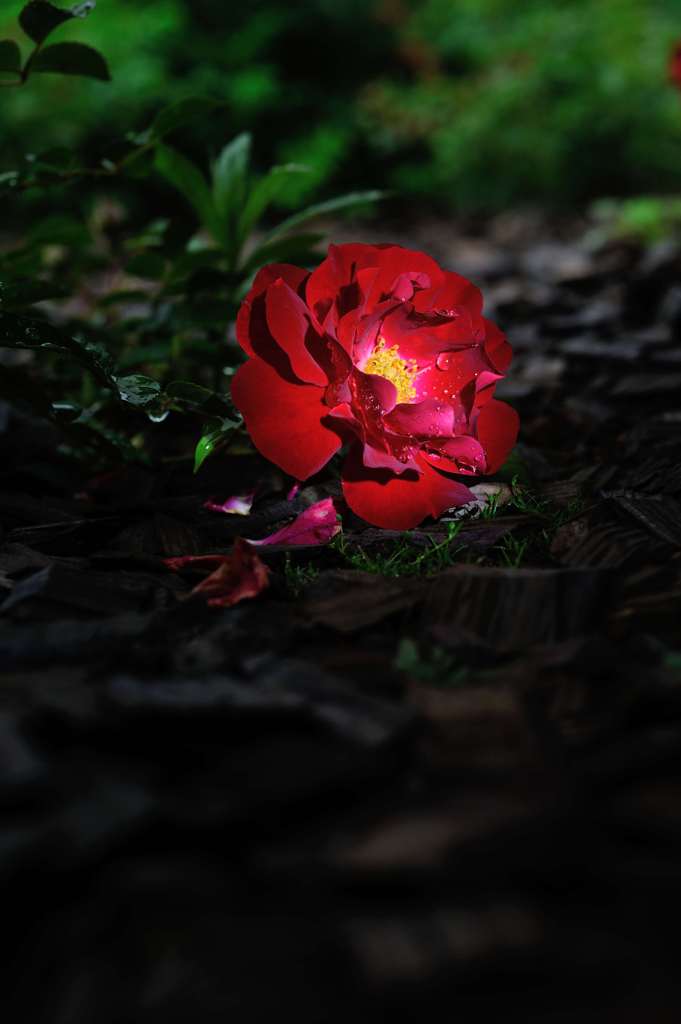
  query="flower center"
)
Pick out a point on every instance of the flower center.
point(386, 362)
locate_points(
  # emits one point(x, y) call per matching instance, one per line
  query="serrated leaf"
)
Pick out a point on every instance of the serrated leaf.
point(187, 179)
point(229, 187)
point(346, 202)
point(136, 389)
point(10, 57)
point(72, 59)
point(213, 440)
point(39, 18)
point(183, 112)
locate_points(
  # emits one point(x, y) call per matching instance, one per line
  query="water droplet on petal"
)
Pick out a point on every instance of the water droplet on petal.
point(445, 360)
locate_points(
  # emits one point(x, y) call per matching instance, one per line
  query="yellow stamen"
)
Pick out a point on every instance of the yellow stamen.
point(388, 363)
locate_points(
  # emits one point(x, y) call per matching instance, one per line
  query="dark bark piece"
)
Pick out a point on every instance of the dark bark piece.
point(644, 384)
point(69, 641)
point(350, 601)
point(605, 546)
point(512, 609)
point(288, 691)
point(661, 515)
point(89, 591)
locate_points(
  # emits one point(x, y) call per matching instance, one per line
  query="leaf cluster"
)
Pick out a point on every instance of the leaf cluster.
point(38, 20)
point(107, 327)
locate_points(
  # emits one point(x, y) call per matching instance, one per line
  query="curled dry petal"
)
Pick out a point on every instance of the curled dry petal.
point(381, 350)
point(234, 577)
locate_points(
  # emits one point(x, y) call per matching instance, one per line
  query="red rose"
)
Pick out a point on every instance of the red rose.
point(675, 66)
point(381, 348)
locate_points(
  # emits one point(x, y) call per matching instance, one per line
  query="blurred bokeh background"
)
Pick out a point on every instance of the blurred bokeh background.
point(463, 105)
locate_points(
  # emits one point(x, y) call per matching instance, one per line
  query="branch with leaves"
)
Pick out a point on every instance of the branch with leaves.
point(190, 294)
point(39, 20)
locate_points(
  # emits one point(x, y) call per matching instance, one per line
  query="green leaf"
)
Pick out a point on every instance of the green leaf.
point(72, 59)
point(139, 163)
point(183, 112)
point(39, 18)
point(347, 202)
point(292, 249)
point(21, 333)
point(213, 440)
point(22, 292)
point(148, 265)
point(138, 390)
point(187, 391)
point(229, 188)
point(10, 57)
point(265, 192)
point(197, 398)
point(59, 229)
point(189, 262)
point(187, 179)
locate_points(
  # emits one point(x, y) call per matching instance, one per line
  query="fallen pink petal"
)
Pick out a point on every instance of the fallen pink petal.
point(237, 505)
point(318, 524)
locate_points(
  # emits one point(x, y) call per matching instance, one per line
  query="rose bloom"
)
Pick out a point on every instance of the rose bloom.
point(380, 349)
point(675, 66)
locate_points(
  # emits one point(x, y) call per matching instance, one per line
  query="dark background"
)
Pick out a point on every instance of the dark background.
point(465, 104)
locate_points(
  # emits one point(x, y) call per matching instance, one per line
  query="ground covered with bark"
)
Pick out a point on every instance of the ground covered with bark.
point(438, 765)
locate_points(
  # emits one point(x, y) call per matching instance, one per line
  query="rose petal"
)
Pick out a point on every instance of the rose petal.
point(237, 505)
point(497, 348)
point(398, 502)
point(394, 262)
point(458, 455)
point(450, 373)
point(334, 282)
point(206, 562)
point(448, 291)
point(245, 326)
point(429, 418)
point(284, 420)
point(497, 430)
point(316, 525)
point(375, 458)
point(236, 577)
point(375, 395)
point(290, 324)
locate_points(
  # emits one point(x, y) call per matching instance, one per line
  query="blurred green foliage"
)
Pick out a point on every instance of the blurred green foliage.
point(474, 103)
